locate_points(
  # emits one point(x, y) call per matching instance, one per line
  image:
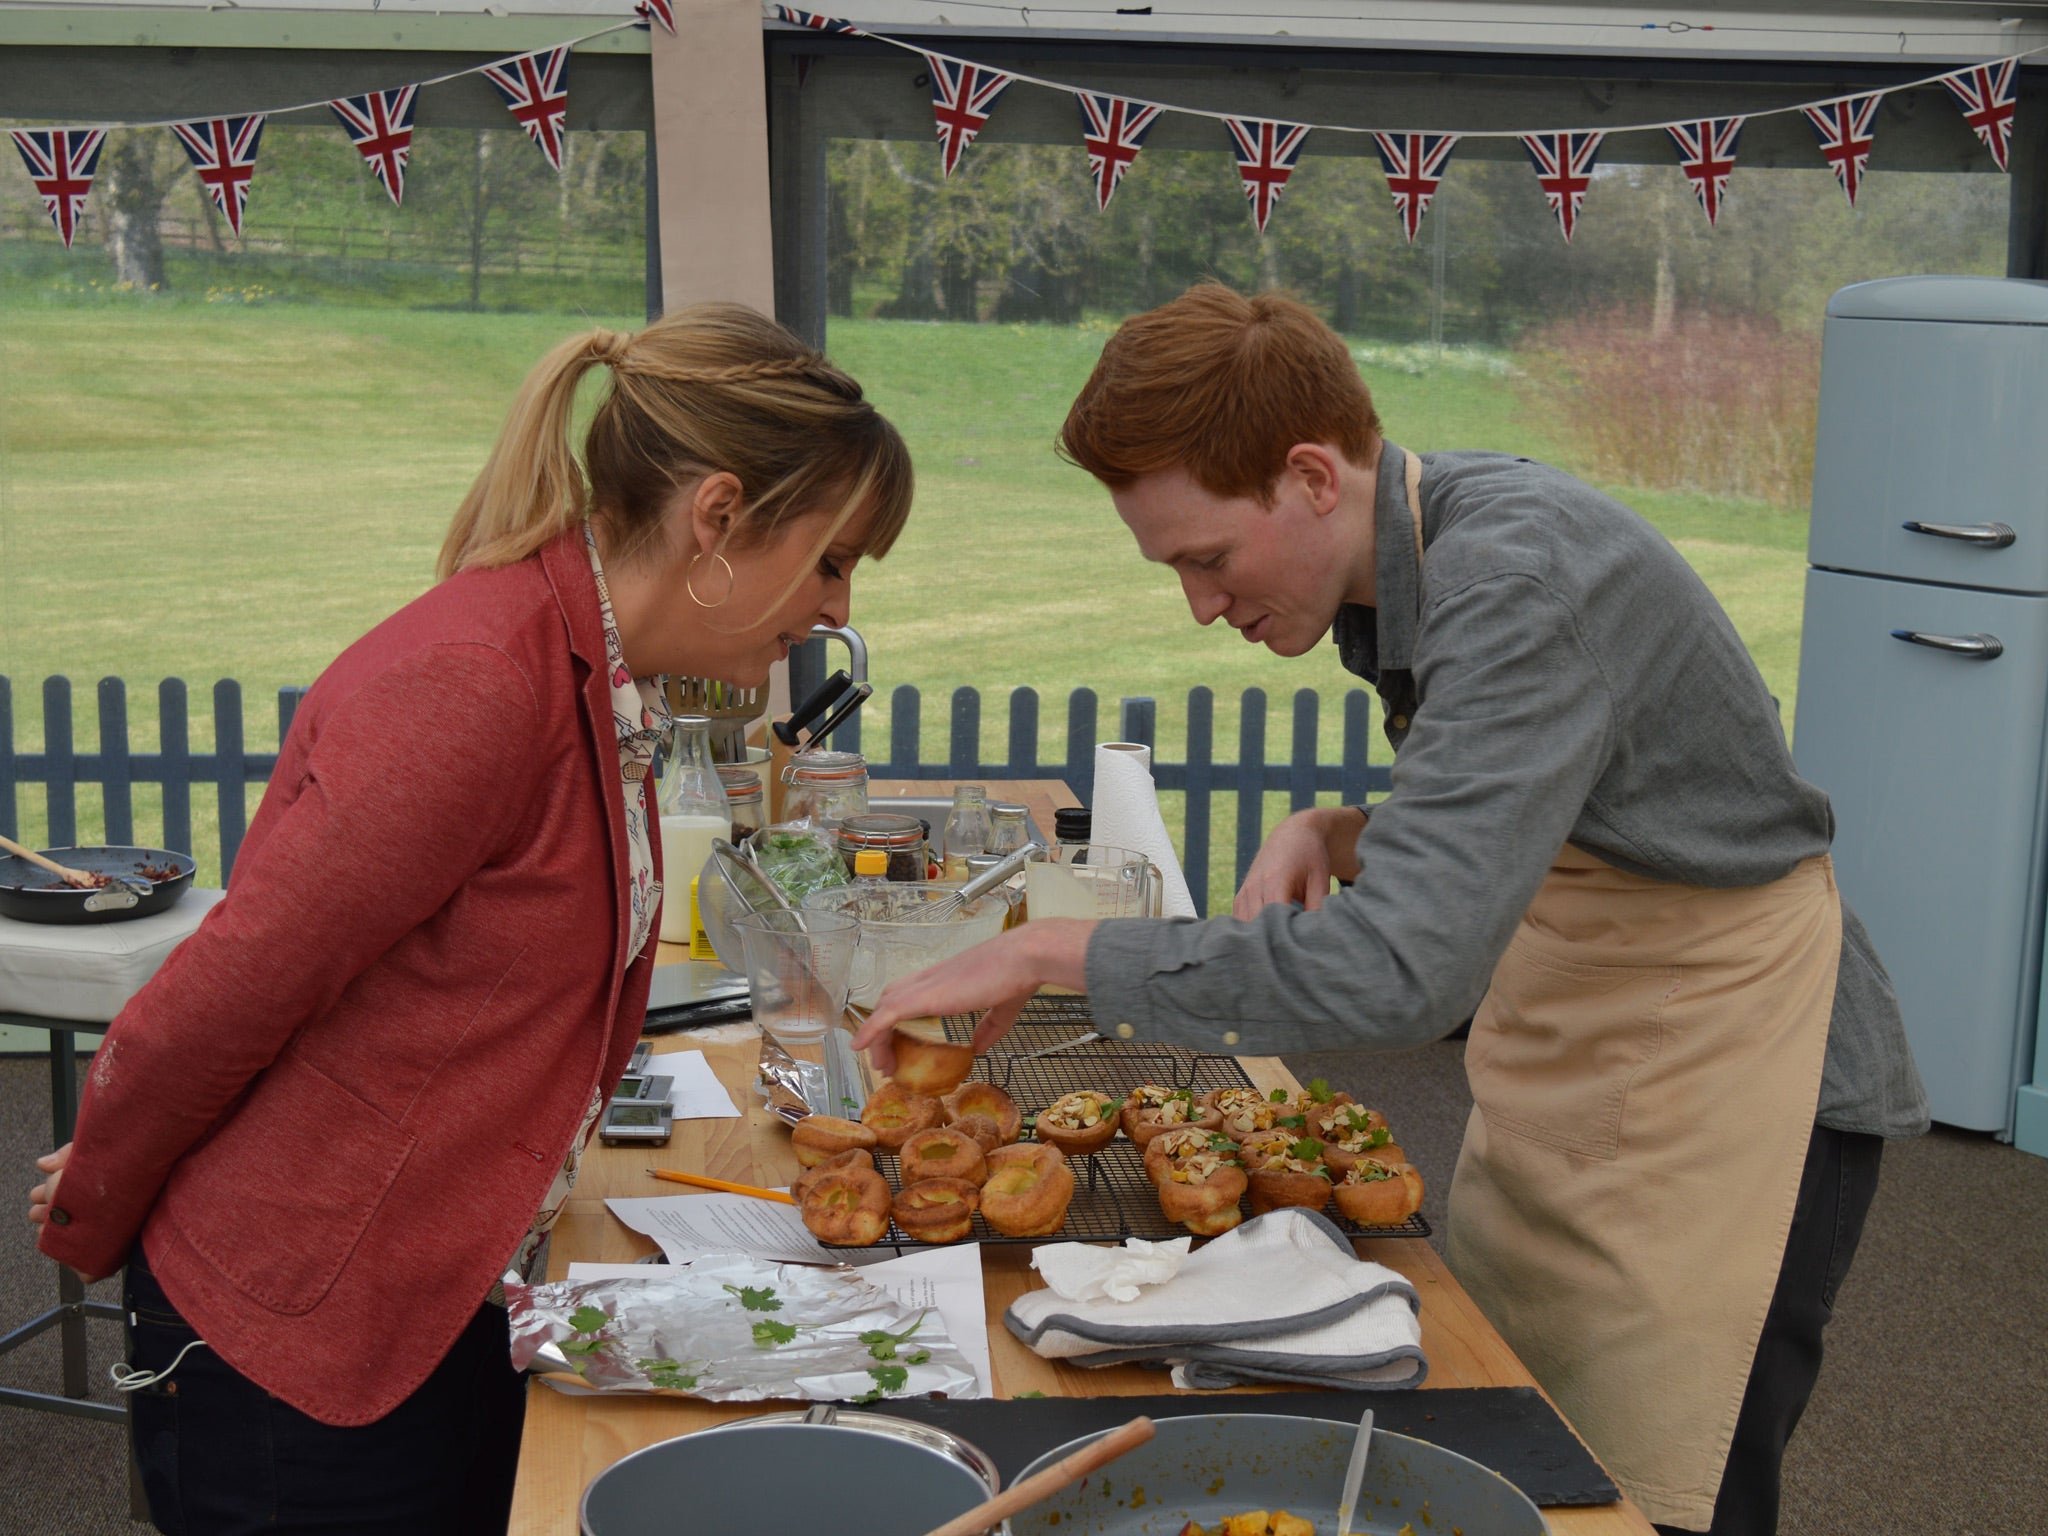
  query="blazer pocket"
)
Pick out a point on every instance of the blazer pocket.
point(1556, 1045)
point(279, 1197)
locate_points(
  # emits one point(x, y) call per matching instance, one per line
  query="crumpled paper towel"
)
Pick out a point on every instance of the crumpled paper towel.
point(1085, 1272)
point(1126, 815)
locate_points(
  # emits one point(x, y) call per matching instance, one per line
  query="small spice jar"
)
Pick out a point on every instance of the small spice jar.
point(825, 786)
point(743, 794)
point(902, 838)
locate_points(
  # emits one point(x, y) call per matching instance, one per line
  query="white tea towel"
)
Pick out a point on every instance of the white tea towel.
point(1126, 815)
point(1085, 1272)
point(1377, 1347)
point(1287, 1280)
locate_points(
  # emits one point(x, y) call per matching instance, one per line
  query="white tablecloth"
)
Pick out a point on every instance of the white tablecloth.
point(87, 971)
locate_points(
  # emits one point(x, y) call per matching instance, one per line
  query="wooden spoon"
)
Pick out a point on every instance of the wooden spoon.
point(72, 877)
point(1043, 1485)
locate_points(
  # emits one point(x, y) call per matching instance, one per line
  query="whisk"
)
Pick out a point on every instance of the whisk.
point(954, 902)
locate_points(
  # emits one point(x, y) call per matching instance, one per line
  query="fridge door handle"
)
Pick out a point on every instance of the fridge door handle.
point(1983, 535)
point(1974, 647)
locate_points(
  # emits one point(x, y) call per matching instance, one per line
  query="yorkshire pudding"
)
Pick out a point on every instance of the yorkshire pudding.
point(820, 1138)
point(1263, 1147)
point(1201, 1193)
point(895, 1114)
point(944, 1153)
point(1244, 1111)
point(1326, 1120)
point(937, 1210)
point(986, 1099)
point(1353, 1137)
point(859, 1157)
point(1177, 1146)
point(1078, 1123)
point(848, 1207)
point(1376, 1194)
point(1028, 1191)
point(983, 1131)
point(1301, 1181)
point(926, 1061)
point(1150, 1109)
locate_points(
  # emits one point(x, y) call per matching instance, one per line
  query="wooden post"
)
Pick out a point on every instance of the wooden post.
point(711, 156)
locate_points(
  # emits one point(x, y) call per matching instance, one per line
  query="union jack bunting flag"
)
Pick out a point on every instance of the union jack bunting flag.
point(1112, 131)
point(1415, 167)
point(651, 11)
point(1564, 169)
point(1266, 153)
point(61, 162)
point(536, 87)
point(963, 96)
point(380, 124)
point(1706, 153)
point(815, 22)
point(1986, 94)
point(1843, 128)
point(223, 151)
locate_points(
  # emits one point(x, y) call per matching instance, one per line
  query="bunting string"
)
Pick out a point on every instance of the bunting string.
point(61, 162)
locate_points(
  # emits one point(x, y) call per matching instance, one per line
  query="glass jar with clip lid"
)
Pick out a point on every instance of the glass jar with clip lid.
point(826, 787)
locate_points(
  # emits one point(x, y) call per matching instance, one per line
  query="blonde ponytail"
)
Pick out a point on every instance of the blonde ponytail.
point(711, 387)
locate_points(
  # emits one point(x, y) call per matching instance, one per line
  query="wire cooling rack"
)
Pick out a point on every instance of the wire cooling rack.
point(1113, 1199)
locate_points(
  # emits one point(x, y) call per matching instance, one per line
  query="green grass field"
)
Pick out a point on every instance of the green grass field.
point(238, 491)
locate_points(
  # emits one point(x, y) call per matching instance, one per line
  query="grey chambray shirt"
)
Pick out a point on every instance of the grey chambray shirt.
point(1562, 674)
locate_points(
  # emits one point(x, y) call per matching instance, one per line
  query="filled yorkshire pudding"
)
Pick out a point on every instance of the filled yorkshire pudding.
point(1263, 1147)
point(848, 1207)
point(895, 1114)
point(926, 1061)
point(1178, 1145)
point(819, 1138)
point(1356, 1134)
point(859, 1157)
point(1078, 1123)
point(1201, 1193)
point(986, 1099)
point(1325, 1120)
point(1297, 1179)
point(943, 1153)
point(1244, 1111)
point(1028, 1191)
point(1377, 1194)
point(1150, 1109)
point(937, 1210)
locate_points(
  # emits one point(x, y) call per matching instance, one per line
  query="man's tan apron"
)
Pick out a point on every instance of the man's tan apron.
point(1645, 1069)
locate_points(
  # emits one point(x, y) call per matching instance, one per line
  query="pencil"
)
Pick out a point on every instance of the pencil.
point(704, 1182)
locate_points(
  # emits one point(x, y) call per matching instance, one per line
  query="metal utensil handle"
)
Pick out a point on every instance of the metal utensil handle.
point(1975, 647)
point(1983, 535)
point(998, 873)
point(849, 701)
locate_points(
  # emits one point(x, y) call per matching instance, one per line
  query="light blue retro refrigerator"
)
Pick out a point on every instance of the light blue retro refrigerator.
point(1923, 668)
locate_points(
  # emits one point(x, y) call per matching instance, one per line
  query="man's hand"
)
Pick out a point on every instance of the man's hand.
point(999, 976)
point(1299, 859)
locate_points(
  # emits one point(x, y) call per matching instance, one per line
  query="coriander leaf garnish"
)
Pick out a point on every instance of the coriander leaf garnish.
point(768, 1333)
point(756, 1298)
point(589, 1319)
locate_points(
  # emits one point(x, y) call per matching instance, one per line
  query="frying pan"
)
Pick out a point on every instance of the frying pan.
point(1207, 1467)
point(25, 890)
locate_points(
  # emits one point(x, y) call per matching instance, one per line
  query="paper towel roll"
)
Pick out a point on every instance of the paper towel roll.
point(1127, 816)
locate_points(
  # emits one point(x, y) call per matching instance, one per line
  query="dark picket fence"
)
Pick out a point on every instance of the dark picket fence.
point(61, 767)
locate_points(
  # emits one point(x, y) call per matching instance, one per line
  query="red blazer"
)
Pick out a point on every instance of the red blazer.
point(335, 1110)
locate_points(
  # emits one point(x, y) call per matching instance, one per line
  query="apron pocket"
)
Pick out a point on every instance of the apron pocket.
point(1556, 1044)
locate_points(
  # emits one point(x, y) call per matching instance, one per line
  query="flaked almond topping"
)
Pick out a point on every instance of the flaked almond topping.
point(1078, 1113)
point(1199, 1168)
point(1151, 1095)
point(1368, 1172)
point(1230, 1100)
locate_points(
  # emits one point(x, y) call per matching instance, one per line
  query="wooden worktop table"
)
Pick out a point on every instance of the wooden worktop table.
point(569, 1440)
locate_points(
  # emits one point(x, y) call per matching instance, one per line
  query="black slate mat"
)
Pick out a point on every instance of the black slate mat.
point(1510, 1429)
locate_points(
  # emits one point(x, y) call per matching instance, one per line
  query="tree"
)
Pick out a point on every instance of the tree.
point(138, 168)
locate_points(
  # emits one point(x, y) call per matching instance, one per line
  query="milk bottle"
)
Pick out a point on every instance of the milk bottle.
point(694, 813)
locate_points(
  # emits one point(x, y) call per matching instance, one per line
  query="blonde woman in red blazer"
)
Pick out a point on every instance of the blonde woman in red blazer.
point(319, 1134)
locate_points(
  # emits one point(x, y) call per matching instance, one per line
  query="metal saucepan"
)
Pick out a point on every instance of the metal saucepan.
point(1208, 1467)
point(36, 896)
point(852, 1474)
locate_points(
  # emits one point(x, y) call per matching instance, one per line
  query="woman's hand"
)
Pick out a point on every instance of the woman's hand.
point(44, 1195)
point(999, 976)
point(1299, 859)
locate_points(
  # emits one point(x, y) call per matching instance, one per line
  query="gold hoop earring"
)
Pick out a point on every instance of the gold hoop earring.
point(729, 582)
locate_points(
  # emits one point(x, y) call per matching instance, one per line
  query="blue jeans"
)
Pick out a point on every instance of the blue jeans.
point(220, 1456)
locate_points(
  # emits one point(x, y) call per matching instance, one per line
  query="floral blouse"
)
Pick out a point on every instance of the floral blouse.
point(640, 718)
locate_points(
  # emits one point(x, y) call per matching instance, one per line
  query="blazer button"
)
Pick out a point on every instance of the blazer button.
point(59, 1217)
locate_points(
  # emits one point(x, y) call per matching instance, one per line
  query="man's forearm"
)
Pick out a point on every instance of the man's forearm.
point(1342, 825)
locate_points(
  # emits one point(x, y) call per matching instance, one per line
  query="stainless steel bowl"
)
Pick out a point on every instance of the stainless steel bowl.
point(1209, 1466)
point(852, 1474)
